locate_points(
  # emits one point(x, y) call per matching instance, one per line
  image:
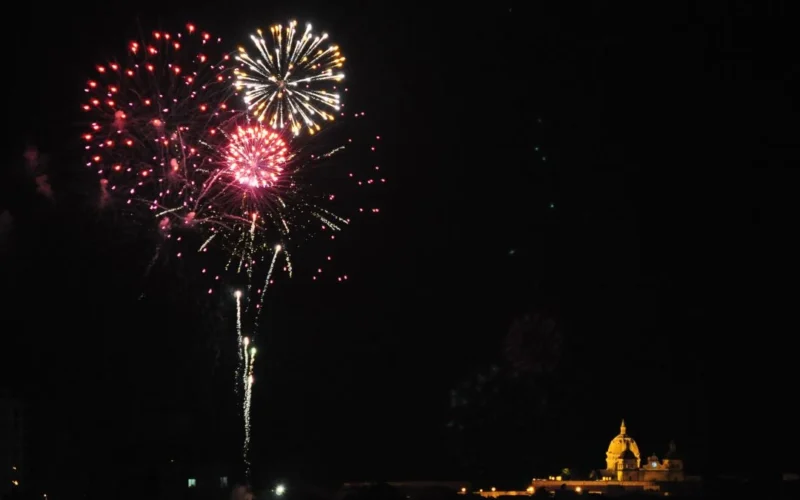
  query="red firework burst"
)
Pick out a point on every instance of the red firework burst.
point(153, 116)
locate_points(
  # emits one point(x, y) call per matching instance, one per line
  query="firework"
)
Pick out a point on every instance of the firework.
point(152, 117)
point(266, 200)
point(170, 139)
point(260, 197)
point(264, 195)
point(292, 79)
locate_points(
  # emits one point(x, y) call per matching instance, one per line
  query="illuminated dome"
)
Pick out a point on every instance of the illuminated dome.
point(619, 446)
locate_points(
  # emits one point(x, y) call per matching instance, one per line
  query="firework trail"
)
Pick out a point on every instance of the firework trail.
point(292, 79)
point(239, 339)
point(267, 282)
point(245, 364)
point(250, 355)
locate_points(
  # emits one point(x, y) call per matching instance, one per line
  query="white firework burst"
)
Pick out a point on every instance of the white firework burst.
point(292, 81)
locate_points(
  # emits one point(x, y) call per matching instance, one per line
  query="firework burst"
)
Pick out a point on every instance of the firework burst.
point(256, 157)
point(260, 200)
point(292, 79)
point(152, 118)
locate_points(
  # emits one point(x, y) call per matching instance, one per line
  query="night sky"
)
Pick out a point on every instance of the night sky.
point(578, 165)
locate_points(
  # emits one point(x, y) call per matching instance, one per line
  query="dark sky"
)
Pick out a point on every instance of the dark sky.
point(580, 163)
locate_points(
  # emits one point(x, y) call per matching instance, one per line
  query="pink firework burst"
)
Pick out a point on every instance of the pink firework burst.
point(256, 156)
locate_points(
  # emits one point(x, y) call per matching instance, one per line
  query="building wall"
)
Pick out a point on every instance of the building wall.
point(662, 475)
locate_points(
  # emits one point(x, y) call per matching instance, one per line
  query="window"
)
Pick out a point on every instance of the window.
point(223, 482)
point(192, 482)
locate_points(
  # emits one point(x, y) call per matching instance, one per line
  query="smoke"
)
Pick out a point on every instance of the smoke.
point(104, 196)
point(36, 165)
point(31, 158)
point(43, 186)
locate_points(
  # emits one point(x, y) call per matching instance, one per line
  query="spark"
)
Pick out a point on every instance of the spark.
point(205, 244)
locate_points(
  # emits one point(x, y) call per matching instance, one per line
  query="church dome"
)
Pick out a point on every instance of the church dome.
point(619, 446)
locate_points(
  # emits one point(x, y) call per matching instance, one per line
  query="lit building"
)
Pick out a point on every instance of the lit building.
point(624, 473)
point(624, 462)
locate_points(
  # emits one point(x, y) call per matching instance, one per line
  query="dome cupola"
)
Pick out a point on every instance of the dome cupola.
point(622, 447)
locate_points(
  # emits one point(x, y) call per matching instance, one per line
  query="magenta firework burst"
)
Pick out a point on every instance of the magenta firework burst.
point(256, 156)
